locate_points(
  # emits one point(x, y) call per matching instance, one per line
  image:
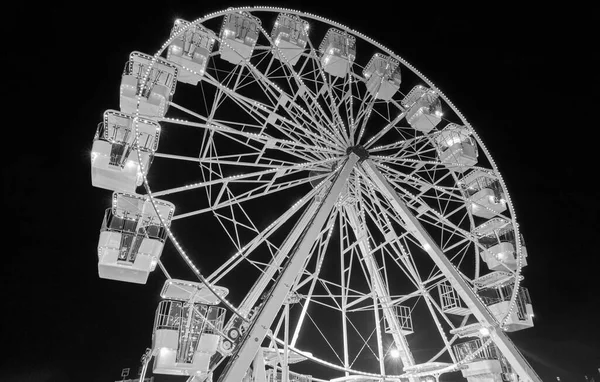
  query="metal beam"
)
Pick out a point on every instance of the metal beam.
point(472, 300)
point(261, 284)
point(242, 358)
point(379, 287)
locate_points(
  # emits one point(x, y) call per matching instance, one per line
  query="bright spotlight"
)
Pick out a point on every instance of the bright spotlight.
point(484, 332)
point(395, 353)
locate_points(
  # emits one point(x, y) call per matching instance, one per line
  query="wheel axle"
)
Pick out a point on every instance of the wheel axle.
point(360, 151)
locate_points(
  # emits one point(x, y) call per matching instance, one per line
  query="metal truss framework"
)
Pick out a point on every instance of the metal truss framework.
point(379, 220)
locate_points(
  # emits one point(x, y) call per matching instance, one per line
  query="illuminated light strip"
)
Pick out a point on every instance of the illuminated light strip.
point(407, 65)
point(242, 176)
point(217, 127)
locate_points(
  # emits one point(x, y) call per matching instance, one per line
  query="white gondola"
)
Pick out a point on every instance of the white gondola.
point(495, 279)
point(486, 198)
point(498, 238)
point(497, 296)
point(424, 108)
point(190, 51)
point(274, 375)
point(382, 75)
point(450, 301)
point(484, 365)
point(456, 147)
point(114, 157)
point(132, 237)
point(428, 371)
point(404, 318)
point(186, 331)
point(239, 34)
point(290, 35)
point(338, 51)
point(183, 290)
point(155, 93)
point(273, 357)
point(471, 330)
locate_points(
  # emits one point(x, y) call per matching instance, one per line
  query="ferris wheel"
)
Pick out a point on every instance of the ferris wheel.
point(341, 218)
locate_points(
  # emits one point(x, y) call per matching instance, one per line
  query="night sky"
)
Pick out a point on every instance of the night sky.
point(527, 80)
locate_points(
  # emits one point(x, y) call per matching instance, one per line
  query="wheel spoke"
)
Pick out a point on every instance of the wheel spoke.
point(398, 210)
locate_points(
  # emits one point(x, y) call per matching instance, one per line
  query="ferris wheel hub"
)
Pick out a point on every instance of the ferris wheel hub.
point(360, 151)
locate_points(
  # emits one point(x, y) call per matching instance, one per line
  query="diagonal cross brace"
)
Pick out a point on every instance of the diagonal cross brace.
point(242, 358)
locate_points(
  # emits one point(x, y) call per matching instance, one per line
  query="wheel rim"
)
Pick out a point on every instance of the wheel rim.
point(316, 149)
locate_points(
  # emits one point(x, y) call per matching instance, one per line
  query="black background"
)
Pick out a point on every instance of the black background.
point(527, 80)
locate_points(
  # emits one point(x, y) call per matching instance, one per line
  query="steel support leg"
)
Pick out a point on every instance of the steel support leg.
point(261, 284)
point(379, 286)
point(479, 310)
point(242, 358)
